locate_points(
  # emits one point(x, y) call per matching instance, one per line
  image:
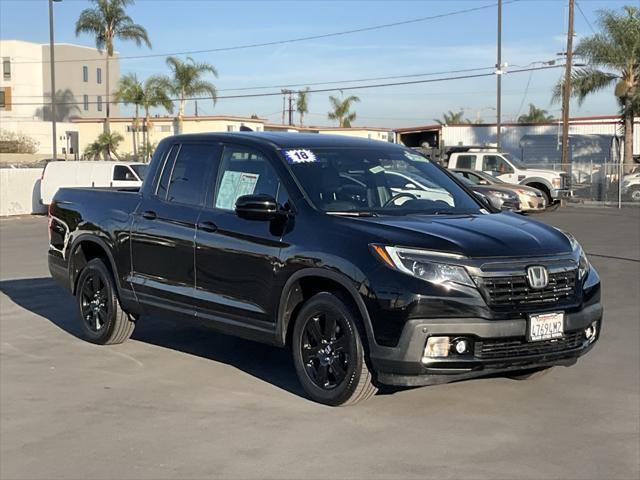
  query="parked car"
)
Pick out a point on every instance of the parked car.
point(258, 235)
point(500, 198)
point(86, 173)
point(531, 199)
point(630, 187)
point(554, 185)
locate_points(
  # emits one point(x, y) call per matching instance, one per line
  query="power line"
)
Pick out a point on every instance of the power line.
point(291, 40)
point(334, 89)
point(585, 18)
point(328, 82)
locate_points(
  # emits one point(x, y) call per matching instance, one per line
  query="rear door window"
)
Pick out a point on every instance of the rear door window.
point(466, 161)
point(190, 173)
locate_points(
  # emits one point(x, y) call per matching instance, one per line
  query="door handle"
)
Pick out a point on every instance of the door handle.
point(149, 215)
point(207, 226)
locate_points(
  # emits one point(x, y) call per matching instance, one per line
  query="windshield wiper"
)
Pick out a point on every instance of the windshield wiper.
point(354, 214)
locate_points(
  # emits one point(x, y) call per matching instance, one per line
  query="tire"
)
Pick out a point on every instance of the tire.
point(103, 320)
point(328, 351)
point(529, 374)
point(634, 194)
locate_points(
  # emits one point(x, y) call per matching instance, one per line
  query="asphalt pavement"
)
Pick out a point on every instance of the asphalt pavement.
point(180, 401)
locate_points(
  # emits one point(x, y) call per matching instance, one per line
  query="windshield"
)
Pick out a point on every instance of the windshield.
point(519, 164)
point(384, 181)
point(140, 169)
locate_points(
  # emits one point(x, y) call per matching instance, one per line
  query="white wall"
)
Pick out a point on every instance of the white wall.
point(41, 133)
point(20, 191)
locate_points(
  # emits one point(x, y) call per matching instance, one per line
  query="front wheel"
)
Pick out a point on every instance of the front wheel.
point(328, 351)
point(103, 320)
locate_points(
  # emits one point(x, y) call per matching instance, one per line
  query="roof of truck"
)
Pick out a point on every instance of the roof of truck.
point(288, 139)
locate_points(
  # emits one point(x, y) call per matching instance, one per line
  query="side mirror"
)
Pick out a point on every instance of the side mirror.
point(257, 207)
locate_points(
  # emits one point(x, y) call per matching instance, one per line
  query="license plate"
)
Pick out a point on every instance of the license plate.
point(546, 326)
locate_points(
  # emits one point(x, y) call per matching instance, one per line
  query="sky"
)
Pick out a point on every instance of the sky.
point(533, 31)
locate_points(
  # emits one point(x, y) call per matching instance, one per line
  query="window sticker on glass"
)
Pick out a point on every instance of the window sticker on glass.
point(233, 186)
point(299, 156)
point(415, 157)
point(376, 169)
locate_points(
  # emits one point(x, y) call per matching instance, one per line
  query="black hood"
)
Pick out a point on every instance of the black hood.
point(493, 235)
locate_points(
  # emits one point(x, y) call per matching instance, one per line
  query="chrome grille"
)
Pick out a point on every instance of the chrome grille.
point(514, 291)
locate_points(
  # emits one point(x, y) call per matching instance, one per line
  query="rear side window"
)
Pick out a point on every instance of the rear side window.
point(163, 183)
point(466, 161)
point(190, 173)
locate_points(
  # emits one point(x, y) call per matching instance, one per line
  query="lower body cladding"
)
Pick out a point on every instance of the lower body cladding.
point(472, 347)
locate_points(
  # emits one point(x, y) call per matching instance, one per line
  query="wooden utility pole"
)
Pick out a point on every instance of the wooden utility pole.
point(566, 90)
point(290, 107)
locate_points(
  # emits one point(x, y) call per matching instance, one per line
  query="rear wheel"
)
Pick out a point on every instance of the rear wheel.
point(634, 194)
point(328, 351)
point(529, 374)
point(103, 320)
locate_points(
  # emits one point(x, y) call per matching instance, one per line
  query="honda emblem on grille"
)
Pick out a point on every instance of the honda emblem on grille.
point(537, 276)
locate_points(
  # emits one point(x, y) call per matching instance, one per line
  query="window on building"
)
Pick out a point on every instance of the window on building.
point(99, 75)
point(85, 73)
point(85, 101)
point(2, 98)
point(99, 103)
point(231, 128)
point(6, 68)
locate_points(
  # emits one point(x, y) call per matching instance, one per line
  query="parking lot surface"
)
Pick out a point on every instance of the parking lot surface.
point(180, 401)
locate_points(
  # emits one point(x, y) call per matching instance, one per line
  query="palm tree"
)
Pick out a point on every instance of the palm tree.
point(452, 118)
point(342, 110)
point(187, 82)
point(613, 59)
point(66, 105)
point(154, 94)
point(302, 103)
point(107, 20)
point(535, 115)
point(129, 92)
point(105, 145)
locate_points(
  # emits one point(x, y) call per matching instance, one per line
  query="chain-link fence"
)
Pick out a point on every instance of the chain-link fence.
point(604, 184)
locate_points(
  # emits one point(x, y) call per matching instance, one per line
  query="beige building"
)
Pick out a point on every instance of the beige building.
point(25, 83)
point(162, 127)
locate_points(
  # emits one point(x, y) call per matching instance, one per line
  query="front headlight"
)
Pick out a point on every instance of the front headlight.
point(420, 264)
point(556, 182)
point(583, 261)
point(502, 195)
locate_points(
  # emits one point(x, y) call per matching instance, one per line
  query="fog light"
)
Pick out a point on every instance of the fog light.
point(461, 346)
point(437, 347)
point(590, 332)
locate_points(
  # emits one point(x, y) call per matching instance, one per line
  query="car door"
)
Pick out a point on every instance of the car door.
point(164, 227)
point(236, 258)
point(498, 167)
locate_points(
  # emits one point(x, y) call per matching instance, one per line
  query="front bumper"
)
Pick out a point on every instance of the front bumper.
point(558, 193)
point(403, 366)
point(532, 204)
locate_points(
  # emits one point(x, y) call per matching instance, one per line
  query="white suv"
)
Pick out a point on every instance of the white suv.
point(554, 185)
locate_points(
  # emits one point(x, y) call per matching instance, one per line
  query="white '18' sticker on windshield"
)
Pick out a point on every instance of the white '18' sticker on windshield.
point(299, 156)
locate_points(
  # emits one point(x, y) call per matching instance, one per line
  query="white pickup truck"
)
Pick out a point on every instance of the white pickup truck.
point(554, 185)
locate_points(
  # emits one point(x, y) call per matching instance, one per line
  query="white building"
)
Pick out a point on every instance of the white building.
point(25, 83)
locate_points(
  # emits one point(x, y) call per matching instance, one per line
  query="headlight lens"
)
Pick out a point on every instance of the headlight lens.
point(419, 263)
point(502, 195)
point(583, 262)
point(556, 182)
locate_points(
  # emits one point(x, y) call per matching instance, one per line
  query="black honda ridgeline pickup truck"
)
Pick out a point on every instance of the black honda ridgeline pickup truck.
point(314, 242)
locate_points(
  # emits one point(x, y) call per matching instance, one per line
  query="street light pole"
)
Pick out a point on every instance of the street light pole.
point(53, 83)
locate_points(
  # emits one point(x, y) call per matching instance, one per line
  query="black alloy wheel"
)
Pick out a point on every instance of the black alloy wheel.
point(328, 350)
point(94, 305)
